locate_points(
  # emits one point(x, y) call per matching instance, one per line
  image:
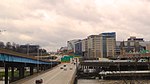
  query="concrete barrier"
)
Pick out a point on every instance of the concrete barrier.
point(73, 78)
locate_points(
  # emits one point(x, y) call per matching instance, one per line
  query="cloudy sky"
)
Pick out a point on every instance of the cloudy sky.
point(50, 23)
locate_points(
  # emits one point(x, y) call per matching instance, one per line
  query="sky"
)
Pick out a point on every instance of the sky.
point(51, 23)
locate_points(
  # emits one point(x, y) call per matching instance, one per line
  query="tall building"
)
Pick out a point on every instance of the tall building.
point(94, 46)
point(93, 43)
point(108, 44)
point(102, 45)
point(71, 45)
point(84, 48)
point(78, 47)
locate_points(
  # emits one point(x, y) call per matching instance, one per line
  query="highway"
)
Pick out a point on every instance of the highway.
point(54, 76)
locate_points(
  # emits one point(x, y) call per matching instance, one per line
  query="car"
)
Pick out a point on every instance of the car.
point(143, 60)
point(65, 68)
point(64, 65)
point(61, 67)
point(40, 81)
point(71, 68)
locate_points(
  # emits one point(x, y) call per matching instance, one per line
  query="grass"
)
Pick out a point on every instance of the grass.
point(16, 74)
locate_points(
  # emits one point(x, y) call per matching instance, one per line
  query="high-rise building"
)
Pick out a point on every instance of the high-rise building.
point(71, 45)
point(93, 43)
point(78, 47)
point(108, 44)
point(84, 48)
point(102, 45)
point(94, 46)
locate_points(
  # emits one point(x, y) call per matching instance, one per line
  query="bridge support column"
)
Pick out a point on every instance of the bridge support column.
point(38, 69)
point(148, 67)
point(44, 67)
point(21, 72)
point(31, 70)
point(6, 74)
point(12, 73)
point(41, 68)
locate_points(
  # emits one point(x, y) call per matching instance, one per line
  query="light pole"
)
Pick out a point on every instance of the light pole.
point(28, 49)
point(2, 31)
point(38, 59)
point(5, 78)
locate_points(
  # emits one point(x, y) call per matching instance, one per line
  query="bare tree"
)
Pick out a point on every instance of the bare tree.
point(8, 45)
point(2, 45)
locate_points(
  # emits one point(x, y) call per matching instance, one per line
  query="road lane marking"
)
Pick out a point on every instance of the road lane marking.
point(47, 82)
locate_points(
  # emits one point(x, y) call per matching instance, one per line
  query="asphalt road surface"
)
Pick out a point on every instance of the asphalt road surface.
point(54, 76)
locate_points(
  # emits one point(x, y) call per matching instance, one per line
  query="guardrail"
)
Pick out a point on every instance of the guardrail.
point(10, 52)
point(73, 77)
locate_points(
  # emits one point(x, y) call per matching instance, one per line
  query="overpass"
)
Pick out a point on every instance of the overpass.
point(56, 75)
point(13, 60)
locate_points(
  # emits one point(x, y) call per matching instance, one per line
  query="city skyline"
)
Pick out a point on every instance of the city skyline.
point(51, 23)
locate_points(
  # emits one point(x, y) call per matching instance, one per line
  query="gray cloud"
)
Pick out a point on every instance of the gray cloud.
point(50, 23)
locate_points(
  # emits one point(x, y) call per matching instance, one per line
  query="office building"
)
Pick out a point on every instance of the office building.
point(108, 44)
point(71, 45)
point(93, 43)
point(84, 48)
point(78, 47)
point(102, 45)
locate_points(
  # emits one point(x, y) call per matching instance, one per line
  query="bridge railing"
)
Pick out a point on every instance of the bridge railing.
point(16, 54)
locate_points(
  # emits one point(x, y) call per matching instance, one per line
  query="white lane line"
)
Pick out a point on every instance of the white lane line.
point(47, 82)
point(43, 76)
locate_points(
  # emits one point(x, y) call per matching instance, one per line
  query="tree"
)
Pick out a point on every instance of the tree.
point(8, 45)
point(18, 48)
point(14, 46)
point(2, 45)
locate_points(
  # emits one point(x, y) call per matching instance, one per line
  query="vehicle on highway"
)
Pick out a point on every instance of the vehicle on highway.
point(143, 60)
point(40, 81)
point(61, 67)
point(71, 68)
point(65, 67)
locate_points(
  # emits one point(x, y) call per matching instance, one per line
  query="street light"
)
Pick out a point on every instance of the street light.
point(38, 58)
point(1, 31)
point(28, 49)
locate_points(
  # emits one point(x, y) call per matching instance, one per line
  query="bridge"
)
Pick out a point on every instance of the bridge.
point(56, 75)
point(12, 60)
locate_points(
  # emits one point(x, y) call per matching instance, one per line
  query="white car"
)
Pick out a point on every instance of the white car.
point(143, 60)
point(65, 67)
